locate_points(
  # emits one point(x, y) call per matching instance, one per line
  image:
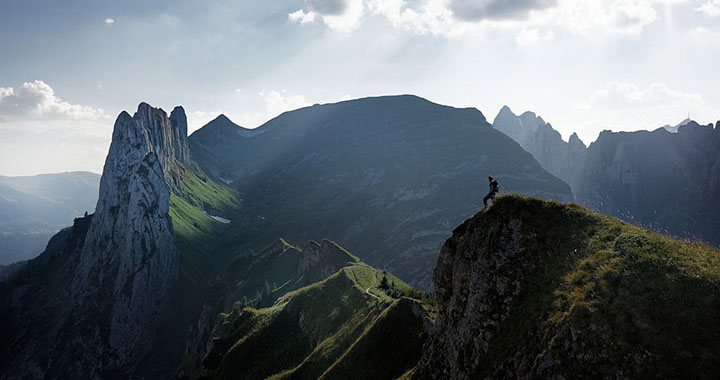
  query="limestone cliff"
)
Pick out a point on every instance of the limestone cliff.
point(89, 306)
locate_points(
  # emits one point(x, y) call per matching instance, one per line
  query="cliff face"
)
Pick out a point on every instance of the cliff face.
point(562, 159)
point(109, 286)
point(537, 289)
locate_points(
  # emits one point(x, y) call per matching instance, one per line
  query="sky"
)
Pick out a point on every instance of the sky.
point(68, 68)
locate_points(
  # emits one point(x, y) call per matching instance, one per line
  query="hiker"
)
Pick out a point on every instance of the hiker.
point(493, 191)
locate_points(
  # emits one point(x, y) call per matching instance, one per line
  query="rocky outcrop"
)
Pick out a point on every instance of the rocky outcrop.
point(115, 269)
point(321, 260)
point(536, 289)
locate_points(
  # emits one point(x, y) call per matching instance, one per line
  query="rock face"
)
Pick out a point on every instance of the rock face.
point(537, 289)
point(666, 179)
point(563, 159)
point(115, 277)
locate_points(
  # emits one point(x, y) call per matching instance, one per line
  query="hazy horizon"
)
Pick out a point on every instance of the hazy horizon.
point(584, 66)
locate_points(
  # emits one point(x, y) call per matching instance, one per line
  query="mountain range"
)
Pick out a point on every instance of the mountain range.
point(665, 180)
point(33, 208)
point(186, 270)
point(385, 176)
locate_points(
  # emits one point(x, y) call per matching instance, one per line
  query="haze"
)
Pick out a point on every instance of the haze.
point(68, 68)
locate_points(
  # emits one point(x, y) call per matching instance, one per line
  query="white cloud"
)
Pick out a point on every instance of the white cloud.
point(529, 37)
point(38, 100)
point(703, 34)
point(277, 102)
point(710, 8)
point(302, 17)
point(617, 16)
point(623, 106)
point(109, 21)
point(341, 15)
point(451, 18)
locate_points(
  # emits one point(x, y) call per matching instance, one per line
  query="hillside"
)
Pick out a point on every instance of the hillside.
point(33, 208)
point(535, 288)
point(321, 309)
point(387, 176)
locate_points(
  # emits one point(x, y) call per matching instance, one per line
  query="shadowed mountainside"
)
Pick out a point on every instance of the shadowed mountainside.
point(387, 176)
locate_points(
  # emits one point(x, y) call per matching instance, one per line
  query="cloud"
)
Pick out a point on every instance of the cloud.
point(327, 7)
point(710, 8)
point(474, 10)
point(109, 21)
point(38, 100)
point(529, 37)
point(342, 15)
point(616, 16)
point(451, 18)
point(302, 17)
point(624, 106)
point(277, 102)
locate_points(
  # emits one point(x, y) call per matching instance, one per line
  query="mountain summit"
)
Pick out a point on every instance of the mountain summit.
point(104, 283)
point(387, 176)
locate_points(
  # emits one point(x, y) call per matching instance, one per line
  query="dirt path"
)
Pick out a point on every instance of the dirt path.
point(373, 284)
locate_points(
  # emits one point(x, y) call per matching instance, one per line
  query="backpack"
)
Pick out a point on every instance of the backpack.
point(495, 186)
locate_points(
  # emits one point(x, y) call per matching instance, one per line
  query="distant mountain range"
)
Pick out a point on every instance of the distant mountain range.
point(667, 179)
point(33, 208)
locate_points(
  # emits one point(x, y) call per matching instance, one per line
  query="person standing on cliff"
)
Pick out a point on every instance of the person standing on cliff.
point(493, 191)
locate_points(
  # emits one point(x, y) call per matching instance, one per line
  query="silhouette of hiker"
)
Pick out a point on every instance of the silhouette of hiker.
point(493, 191)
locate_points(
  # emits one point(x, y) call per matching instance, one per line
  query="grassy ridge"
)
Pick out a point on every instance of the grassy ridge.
point(307, 330)
point(621, 296)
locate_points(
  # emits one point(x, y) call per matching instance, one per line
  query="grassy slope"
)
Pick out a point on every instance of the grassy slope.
point(307, 330)
point(200, 240)
point(632, 295)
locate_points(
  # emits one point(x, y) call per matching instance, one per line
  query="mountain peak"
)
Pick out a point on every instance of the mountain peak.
point(506, 110)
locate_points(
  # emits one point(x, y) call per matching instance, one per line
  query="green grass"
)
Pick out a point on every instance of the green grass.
point(632, 294)
point(202, 254)
point(306, 329)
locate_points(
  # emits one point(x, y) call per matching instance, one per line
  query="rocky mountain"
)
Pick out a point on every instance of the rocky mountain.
point(33, 208)
point(90, 305)
point(562, 159)
point(387, 176)
point(536, 289)
point(664, 180)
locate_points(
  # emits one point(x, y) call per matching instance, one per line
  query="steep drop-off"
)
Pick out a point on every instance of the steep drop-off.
point(537, 289)
point(90, 305)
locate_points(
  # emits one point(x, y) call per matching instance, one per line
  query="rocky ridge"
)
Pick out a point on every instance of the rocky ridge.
point(108, 278)
point(664, 179)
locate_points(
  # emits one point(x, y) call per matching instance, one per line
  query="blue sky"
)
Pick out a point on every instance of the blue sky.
point(69, 67)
